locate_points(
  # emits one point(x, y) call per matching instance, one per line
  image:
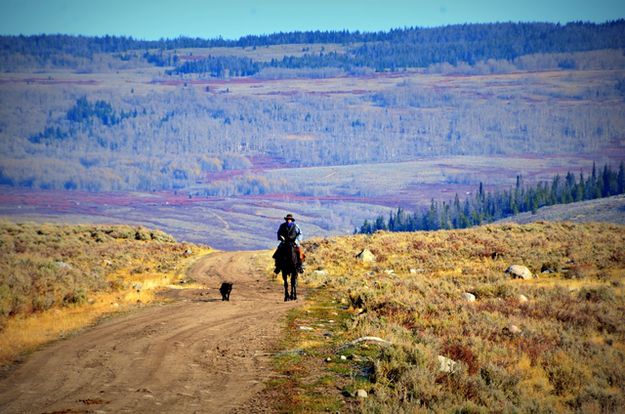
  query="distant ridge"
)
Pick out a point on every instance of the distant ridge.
point(608, 210)
point(519, 36)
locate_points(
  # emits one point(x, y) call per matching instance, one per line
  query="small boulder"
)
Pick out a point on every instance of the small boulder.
point(511, 330)
point(519, 272)
point(389, 271)
point(469, 297)
point(188, 252)
point(522, 299)
point(446, 365)
point(62, 265)
point(361, 393)
point(366, 256)
point(320, 272)
point(550, 267)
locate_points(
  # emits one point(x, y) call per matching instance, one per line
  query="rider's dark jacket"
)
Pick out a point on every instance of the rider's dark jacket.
point(290, 233)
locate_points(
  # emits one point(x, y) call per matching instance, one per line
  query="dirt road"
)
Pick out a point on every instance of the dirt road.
point(198, 354)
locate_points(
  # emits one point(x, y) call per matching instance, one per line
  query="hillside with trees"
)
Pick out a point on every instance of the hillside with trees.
point(391, 50)
point(116, 113)
point(486, 207)
point(100, 137)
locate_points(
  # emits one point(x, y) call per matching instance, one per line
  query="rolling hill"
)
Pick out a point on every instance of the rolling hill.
point(609, 210)
point(105, 114)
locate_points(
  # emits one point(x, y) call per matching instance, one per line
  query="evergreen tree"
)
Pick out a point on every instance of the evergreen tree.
point(380, 224)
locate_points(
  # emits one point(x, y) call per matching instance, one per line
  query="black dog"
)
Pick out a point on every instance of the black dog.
point(225, 289)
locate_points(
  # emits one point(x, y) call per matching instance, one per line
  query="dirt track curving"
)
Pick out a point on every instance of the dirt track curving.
point(196, 355)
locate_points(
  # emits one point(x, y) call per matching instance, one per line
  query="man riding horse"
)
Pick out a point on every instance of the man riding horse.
point(288, 255)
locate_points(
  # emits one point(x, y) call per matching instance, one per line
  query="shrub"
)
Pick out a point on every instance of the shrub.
point(460, 352)
point(496, 290)
point(409, 371)
point(566, 375)
point(597, 294)
point(581, 271)
point(74, 297)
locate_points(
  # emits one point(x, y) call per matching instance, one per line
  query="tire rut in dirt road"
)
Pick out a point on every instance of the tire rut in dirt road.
point(197, 355)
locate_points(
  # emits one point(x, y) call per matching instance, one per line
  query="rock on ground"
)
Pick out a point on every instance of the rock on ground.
point(446, 365)
point(469, 297)
point(511, 330)
point(519, 272)
point(366, 256)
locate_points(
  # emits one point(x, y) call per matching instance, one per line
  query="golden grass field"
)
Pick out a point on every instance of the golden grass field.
point(558, 348)
point(555, 343)
point(57, 279)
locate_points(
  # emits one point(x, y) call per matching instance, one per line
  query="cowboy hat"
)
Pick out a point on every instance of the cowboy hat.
point(289, 217)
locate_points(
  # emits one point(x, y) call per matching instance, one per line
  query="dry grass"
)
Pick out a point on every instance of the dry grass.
point(567, 356)
point(57, 279)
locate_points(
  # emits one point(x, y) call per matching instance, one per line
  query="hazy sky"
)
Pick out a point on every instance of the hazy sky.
point(153, 19)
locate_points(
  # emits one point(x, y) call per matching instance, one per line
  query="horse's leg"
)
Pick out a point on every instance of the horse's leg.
point(294, 285)
point(286, 286)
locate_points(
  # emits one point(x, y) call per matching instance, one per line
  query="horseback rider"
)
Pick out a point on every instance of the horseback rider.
point(289, 232)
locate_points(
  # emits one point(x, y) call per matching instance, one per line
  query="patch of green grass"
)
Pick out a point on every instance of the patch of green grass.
point(311, 383)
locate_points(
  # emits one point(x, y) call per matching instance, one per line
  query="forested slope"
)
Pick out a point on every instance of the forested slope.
point(393, 49)
point(121, 114)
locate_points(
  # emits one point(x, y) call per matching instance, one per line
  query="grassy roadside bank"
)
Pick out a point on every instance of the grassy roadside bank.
point(552, 343)
point(57, 279)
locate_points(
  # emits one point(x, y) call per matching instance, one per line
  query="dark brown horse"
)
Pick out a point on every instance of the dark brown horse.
point(286, 257)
